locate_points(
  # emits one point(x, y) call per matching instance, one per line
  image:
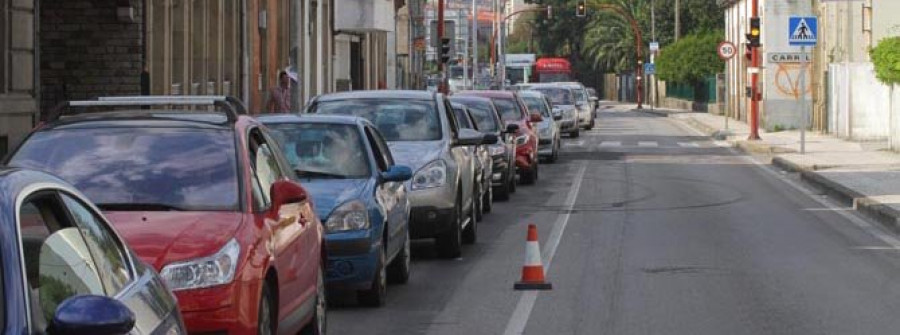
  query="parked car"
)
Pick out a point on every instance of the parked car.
point(503, 153)
point(595, 100)
point(61, 258)
point(548, 129)
point(583, 103)
point(347, 167)
point(563, 100)
point(423, 133)
point(203, 196)
point(513, 111)
point(483, 163)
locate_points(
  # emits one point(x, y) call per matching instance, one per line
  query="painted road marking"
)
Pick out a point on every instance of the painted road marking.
point(610, 144)
point(519, 318)
point(647, 144)
point(574, 143)
point(688, 144)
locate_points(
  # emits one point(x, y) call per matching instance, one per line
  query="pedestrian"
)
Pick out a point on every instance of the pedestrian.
point(280, 95)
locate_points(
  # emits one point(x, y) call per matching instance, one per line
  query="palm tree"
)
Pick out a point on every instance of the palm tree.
point(609, 40)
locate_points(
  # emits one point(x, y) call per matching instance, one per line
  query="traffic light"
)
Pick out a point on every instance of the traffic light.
point(581, 8)
point(753, 36)
point(446, 50)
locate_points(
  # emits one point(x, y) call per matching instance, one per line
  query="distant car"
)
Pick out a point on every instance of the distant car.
point(503, 153)
point(513, 111)
point(483, 163)
point(203, 196)
point(348, 169)
point(423, 133)
point(548, 129)
point(563, 99)
point(584, 104)
point(66, 271)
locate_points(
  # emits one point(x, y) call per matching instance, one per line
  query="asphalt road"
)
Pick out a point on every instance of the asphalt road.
point(649, 228)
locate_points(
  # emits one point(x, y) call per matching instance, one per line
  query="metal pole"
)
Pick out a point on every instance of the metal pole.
point(440, 32)
point(653, 53)
point(754, 82)
point(678, 18)
point(465, 51)
point(803, 110)
point(474, 44)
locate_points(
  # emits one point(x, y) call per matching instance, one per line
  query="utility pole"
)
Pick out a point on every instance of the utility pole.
point(440, 27)
point(465, 49)
point(678, 18)
point(653, 53)
point(474, 36)
point(754, 81)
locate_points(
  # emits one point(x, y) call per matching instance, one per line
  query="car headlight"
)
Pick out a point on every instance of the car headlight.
point(214, 270)
point(432, 175)
point(349, 216)
point(521, 140)
point(497, 149)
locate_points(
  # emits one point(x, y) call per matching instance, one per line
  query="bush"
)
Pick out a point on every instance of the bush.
point(886, 57)
point(692, 59)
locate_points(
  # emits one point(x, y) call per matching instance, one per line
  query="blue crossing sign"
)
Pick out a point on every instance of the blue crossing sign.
point(649, 68)
point(803, 30)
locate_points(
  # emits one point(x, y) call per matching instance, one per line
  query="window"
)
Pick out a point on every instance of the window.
point(322, 150)
point(382, 154)
point(462, 118)
point(265, 168)
point(58, 261)
point(396, 119)
point(108, 254)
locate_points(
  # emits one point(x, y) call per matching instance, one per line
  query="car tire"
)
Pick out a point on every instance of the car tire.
point(478, 202)
point(575, 133)
point(555, 156)
point(398, 271)
point(470, 234)
point(513, 183)
point(375, 295)
point(529, 177)
point(320, 317)
point(503, 191)
point(488, 199)
point(449, 243)
point(590, 126)
point(265, 323)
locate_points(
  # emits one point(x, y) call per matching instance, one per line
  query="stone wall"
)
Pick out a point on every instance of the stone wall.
point(87, 50)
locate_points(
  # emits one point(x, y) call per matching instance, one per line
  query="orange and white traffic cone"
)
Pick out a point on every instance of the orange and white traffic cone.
point(533, 270)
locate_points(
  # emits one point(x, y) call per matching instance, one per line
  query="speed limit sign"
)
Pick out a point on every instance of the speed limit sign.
point(726, 50)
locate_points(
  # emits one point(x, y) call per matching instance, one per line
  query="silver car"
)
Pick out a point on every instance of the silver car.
point(583, 103)
point(548, 129)
point(423, 133)
point(483, 163)
point(563, 101)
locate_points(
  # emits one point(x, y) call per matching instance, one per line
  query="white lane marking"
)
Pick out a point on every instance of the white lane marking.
point(519, 318)
point(573, 143)
point(610, 144)
point(874, 248)
point(688, 144)
point(873, 230)
point(648, 144)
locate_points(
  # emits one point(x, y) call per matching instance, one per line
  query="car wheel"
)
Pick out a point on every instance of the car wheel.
point(513, 183)
point(375, 295)
point(477, 203)
point(488, 199)
point(591, 126)
point(470, 234)
point(503, 191)
point(320, 319)
point(265, 321)
point(555, 156)
point(530, 176)
point(398, 272)
point(449, 244)
point(575, 133)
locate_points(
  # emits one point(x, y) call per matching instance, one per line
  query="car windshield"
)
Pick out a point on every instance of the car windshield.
point(559, 95)
point(396, 119)
point(154, 168)
point(319, 150)
point(509, 109)
point(483, 115)
point(536, 104)
point(462, 118)
point(580, 95)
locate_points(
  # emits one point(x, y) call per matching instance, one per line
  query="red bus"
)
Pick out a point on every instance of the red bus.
point(552, 69)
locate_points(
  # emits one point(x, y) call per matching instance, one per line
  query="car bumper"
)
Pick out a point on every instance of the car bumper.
point(584, 119)
point(430, 221)
point(500, 170)
point(228, 309)
point(546, 147)
point(568, 125)
point(524, 157)
point(352, 259)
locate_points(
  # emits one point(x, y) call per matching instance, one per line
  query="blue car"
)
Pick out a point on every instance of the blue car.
point(359, 194)
point(59, 258)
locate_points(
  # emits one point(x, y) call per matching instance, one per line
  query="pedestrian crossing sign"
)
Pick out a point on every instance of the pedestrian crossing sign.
point(803, 30)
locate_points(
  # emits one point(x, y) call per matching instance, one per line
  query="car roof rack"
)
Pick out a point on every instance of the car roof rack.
point(230, 106)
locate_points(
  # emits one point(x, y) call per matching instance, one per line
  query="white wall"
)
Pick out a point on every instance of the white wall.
point(870, 105)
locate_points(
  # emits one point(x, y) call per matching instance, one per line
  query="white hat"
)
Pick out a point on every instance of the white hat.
point(291, 73)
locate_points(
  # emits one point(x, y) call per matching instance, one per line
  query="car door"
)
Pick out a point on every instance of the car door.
point(463, 157)
point(390, 196)
point(290, 233)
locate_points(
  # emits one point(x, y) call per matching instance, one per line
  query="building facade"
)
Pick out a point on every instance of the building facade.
point(19, 87)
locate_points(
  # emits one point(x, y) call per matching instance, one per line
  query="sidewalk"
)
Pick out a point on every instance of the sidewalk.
point(863, 175)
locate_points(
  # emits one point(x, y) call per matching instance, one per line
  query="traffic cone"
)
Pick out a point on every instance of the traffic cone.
point(533, 270)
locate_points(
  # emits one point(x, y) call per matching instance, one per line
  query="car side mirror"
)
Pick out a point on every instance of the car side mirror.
point(397, 173)
point(469, 137)
point(490, 139)
point(512, 128)
point(535, 117)
point(595, 99)
point(106, 316)
point(285, 192)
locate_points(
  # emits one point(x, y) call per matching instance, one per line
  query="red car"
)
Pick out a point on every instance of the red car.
point(206, 198)
point(514, 111)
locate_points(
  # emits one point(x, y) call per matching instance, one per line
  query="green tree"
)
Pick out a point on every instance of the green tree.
point(886, 58)
point(692, 59)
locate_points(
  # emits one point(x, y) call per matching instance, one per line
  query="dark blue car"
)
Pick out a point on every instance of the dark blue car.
point(64, 270)
point(359, 194)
